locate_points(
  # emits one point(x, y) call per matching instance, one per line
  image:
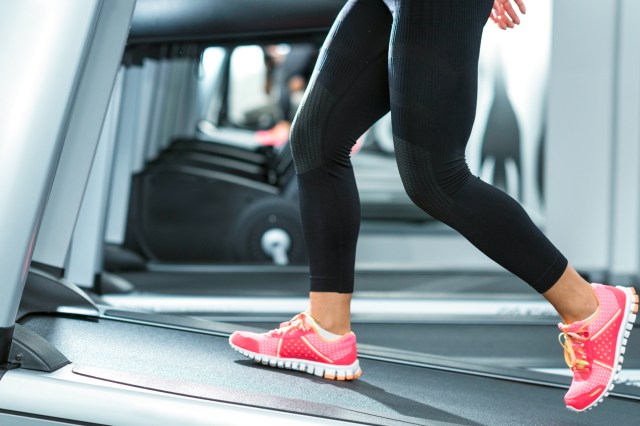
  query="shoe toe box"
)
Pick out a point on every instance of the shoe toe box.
point(583, 399)
point(245, 340)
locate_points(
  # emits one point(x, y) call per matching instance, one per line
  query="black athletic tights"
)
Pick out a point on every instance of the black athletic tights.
point(419, 59)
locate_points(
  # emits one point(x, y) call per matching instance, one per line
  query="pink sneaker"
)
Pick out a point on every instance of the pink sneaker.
point(297, 345)
point(593, 348)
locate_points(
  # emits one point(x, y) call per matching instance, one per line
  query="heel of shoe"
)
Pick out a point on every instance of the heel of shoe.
point(630, 319)
point(331, 372)
point(634, 304)
point(351, 372)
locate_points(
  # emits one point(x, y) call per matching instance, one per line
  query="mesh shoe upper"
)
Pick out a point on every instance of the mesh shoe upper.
point(296, 339)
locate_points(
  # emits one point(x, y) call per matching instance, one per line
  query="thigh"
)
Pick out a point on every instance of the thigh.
point(433, 71)
point(359, 35)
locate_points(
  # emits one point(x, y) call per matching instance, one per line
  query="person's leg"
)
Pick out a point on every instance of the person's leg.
point(347, 94)
point(331, 310)
point(572, 297)
point(433, 84)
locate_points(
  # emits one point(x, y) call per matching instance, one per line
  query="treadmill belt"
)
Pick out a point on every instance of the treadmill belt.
point(390, 392)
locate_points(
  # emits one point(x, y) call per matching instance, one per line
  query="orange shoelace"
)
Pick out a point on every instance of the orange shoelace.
point(296, 323)
point(301, 315)
point(573, 344)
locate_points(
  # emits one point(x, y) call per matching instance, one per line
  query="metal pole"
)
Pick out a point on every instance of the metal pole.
point(38, 92)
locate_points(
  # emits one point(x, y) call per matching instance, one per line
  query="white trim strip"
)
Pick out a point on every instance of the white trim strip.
point(396, 308)
point(617, 314)
point(601, 364)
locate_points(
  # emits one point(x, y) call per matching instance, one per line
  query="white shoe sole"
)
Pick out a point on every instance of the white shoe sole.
point(328, 371)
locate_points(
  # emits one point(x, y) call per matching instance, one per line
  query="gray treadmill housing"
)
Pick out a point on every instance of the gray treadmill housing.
point(29, 153)
point(32, 352)
point(203, 20)
point(84, 128)
point(44, 293)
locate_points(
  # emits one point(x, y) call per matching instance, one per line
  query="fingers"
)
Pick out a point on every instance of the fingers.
point(495, 14)
point(495, 17)
point(499, 16)
point(515, 19)
point(521, 6)
point(504, 14)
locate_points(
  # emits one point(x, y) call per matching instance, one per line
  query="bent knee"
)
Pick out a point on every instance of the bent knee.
point(306, 145)
point(308, 129)
point(429, 181)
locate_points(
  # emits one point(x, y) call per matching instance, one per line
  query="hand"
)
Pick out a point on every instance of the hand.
point(504, 15)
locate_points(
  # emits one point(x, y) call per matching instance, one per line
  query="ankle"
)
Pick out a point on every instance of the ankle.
point(572, 297)
point(332, 325)
point(331, 311)
point(578, 315)
point(580, 311)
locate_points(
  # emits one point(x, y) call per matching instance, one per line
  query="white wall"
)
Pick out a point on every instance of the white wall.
point(581, 130)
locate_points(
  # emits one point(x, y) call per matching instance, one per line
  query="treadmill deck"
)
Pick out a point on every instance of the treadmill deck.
point(202, 365)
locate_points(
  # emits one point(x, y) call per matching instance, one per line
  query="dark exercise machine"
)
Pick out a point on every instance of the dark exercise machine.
point(202, 190)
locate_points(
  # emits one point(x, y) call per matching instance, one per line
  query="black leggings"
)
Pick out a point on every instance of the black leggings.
point(419, 59)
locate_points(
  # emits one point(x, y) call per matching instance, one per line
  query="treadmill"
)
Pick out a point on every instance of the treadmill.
point(68, 358)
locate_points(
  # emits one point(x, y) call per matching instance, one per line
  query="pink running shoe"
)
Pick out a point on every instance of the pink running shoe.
point(297, 345)
point(593, 348)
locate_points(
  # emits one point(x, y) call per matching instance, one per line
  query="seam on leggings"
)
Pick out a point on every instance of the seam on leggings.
point(334, 104)
point(310, 155)
point(340, 239)
point(417, 172)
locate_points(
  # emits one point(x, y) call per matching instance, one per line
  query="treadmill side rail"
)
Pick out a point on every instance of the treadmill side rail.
point(102, 402)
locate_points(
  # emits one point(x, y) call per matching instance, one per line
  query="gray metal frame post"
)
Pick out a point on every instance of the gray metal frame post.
point(183, 101)
point(172, 101)
point(34, 118)
point(191, 112)
point(187, 100)
point(150, 76)
point(120, 187)
point(158, 108)
point(87, 247)
point(84, 130)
